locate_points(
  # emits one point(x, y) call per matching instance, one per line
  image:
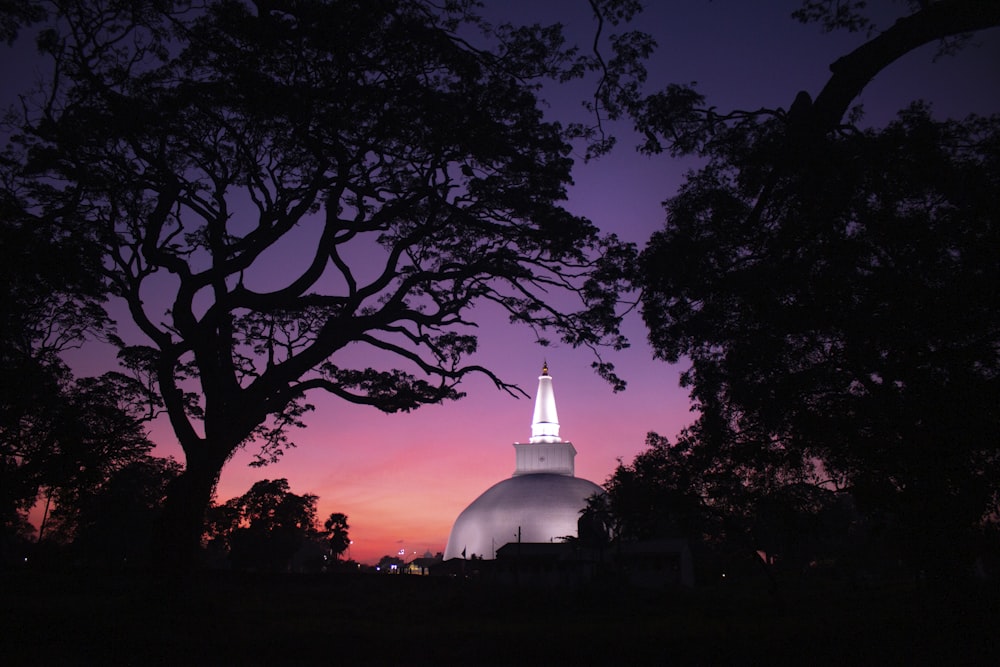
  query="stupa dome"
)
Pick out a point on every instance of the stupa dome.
point(541, 502)
point(543, 506)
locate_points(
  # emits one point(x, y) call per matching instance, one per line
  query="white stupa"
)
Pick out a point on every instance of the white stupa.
point(541, 502)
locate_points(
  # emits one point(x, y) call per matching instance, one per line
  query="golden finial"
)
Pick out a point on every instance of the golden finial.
point(545, 367)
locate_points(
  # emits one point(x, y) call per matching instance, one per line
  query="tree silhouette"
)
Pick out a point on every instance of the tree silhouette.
point(50, 301)
point(114, 525)
point(336, 532)
point(596, 526)
point(61, 437)
point(663, 492)
point(827, 285)
point(309, 196)
point(94, 435)
point(265, 527)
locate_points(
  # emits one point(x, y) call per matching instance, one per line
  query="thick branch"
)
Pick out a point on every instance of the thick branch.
point(935, 21)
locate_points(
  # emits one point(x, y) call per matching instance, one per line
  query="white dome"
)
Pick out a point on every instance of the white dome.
point(544, 506)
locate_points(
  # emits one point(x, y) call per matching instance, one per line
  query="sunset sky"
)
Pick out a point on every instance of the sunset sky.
point(402, 479)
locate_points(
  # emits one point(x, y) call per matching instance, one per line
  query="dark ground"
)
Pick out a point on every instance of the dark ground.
point(89, 618)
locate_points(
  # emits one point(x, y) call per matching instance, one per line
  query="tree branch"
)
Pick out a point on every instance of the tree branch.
point(934, 21)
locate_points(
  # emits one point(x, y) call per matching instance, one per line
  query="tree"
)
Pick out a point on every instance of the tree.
point(661, 493)
point(694, 490)
point(59, 436)
point(743, 511)
point(62, 437)
point(114, 525)
point(826, 283)
point(266, 526)
point(596, 526)
point(395, 149)
point(801, 525)
point(50, 301)
point(94, 434)
point(336, 533)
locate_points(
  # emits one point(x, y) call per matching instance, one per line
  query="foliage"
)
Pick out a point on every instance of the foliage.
point(395, 149)
point(827, 285)
point(94, 436)
point(114, 525)
point(50, 302)
point(738, 513)
point(596, 526)
point(15, 14)
point(66, 439)
point(849, 323)
point(264, 528)
point(336, 533)
point(658, 494)
point(851, 15)
point(677, 119)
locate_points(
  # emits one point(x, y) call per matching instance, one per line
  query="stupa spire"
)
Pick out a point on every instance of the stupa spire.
point(545, 421)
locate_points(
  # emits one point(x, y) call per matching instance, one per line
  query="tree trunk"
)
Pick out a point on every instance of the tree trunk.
point(177, 543)
point(45, 515)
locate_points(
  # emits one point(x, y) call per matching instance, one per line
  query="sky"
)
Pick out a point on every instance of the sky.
point(403, 479)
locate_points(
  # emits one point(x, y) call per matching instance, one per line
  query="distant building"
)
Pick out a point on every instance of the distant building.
point(423, 566)
point(541, 502)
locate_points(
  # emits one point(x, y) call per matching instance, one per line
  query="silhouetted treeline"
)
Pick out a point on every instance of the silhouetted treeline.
point(271, 529)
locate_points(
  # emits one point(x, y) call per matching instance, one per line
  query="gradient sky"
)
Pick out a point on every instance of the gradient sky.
point(403, 479)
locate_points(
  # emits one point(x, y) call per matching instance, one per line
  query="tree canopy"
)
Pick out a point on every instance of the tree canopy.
point(336, 533)
point(304, 196)
point(265, 527)
point(50, 302)
point(114, 524)
point(829, 286)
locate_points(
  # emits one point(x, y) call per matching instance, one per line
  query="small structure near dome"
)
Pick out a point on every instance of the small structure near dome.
point(540, 502)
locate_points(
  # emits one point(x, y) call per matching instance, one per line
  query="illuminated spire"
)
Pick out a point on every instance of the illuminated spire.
point(545, 422)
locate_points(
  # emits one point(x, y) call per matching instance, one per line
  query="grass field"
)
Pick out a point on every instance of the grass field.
point(346, 619)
